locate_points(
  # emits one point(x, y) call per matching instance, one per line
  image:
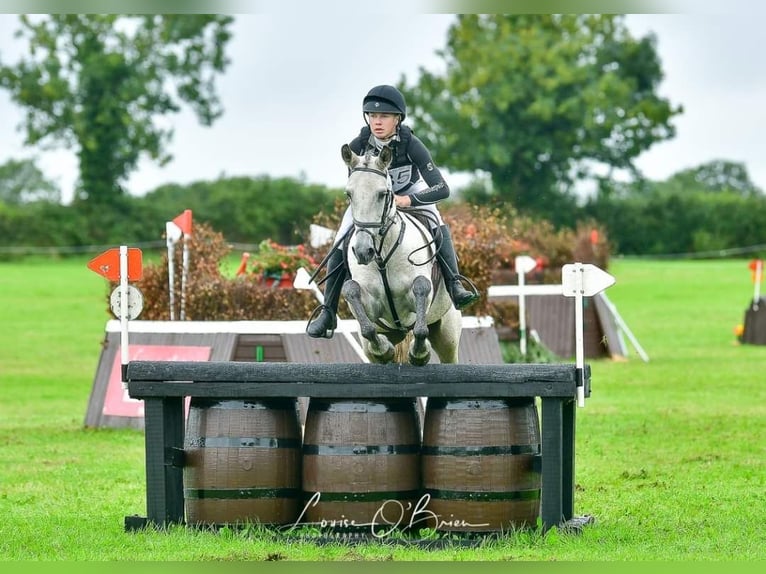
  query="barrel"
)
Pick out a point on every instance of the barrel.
point(242, 462)
point(361, 463)
point(481, 464)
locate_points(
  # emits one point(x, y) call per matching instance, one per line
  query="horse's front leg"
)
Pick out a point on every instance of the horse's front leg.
point(379, 349)
point(420, 349)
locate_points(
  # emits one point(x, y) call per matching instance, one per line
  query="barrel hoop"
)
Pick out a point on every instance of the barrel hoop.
point(240, 493)
point(243, 442)
point(393, 406)
point(378, 496)
point(370, 449)
point(440, 403)
point(271, 404)
point(437, 494)
point(513, 449)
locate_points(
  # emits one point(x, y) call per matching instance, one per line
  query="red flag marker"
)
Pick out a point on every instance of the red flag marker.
point(184, 221)
point(108, 264)
point(242, 269)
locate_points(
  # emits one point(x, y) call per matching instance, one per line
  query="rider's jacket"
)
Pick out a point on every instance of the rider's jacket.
point(411, 161)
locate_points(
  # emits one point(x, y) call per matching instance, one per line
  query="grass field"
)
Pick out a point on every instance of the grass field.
point(670, 453)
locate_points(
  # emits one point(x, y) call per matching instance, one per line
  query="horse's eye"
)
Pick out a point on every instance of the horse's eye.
point(382, 193)
point(348, 194)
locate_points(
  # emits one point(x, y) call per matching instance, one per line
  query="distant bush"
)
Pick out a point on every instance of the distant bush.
point(487, 242)
point(209, 294)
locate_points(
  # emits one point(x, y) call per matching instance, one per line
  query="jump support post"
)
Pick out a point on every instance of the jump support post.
point(163, 385)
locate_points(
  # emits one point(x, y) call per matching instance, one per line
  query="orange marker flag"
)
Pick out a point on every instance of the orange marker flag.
point(184, 222)
point(243, 264)
point(108, 264)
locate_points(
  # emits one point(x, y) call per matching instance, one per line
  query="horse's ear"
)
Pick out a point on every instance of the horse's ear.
point(384, 159)
point(347, 154)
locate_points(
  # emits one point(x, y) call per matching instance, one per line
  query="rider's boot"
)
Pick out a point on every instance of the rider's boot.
point(323, 326)
point(461, 297)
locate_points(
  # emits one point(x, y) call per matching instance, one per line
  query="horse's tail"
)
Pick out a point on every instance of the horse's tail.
point(401, 349)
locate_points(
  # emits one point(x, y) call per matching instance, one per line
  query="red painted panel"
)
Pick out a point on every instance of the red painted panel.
point(117, 401)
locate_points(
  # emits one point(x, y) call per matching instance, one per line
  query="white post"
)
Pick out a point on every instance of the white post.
point(523, 264)
point(184, 275)
point(582, 280)
point(757, 278)
point(579, 342)
point(172, 232)
point(522, 316)
point(124, 356)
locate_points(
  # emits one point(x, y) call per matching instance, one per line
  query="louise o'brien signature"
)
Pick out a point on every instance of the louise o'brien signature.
point(382, 524)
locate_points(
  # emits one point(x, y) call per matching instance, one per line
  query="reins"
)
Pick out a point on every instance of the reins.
point(384, 226)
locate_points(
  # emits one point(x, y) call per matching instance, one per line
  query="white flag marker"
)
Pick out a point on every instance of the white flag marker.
point(580, 280)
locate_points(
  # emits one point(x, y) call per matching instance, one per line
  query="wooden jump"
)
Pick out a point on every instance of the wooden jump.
point(163, 385)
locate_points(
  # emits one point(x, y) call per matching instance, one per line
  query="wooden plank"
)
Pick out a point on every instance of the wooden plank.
point(216, 371)
point(349, 390)
point(300, 348)
point(551, 505)
point(164, 482)
point(480, 346)
point(568, 458)
point(230, 380)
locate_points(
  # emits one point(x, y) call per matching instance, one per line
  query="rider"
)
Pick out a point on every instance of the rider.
point(416, 182)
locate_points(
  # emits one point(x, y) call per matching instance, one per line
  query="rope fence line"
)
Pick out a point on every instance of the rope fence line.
point(54, 250)
point(712, 254)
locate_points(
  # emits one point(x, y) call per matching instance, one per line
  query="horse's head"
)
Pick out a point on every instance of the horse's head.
point(370, 197)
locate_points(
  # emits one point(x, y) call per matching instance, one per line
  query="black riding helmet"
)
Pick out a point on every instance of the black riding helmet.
point(385, 99)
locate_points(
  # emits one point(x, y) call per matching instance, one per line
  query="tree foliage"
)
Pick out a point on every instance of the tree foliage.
point(718, 176)
point(538, 100)
point(97, 83)
point(21, 181)
point(247, 209)
point(709, 208)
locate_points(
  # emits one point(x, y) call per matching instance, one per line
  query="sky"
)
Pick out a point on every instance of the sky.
point(292, 96)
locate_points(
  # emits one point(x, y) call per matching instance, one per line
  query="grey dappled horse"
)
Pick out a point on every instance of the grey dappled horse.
point(390, 260)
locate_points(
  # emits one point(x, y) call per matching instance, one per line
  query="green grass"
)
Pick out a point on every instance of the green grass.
point(670, 453)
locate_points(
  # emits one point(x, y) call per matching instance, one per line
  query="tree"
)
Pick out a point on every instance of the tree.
point(21, 181)
point(716, 176)
point(538, 100)
point(97, 83)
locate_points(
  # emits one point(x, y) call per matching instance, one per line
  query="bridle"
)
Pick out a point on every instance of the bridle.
point(385, 219)
point(383, 225)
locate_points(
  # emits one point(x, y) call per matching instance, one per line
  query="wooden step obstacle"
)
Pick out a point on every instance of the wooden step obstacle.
point(165, 385)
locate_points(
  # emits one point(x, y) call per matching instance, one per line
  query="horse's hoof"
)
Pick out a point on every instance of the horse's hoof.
point(382, 359)
point(420, 361)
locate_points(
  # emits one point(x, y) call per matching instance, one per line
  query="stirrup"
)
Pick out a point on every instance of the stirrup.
point(328, 332)
point(473, 293)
